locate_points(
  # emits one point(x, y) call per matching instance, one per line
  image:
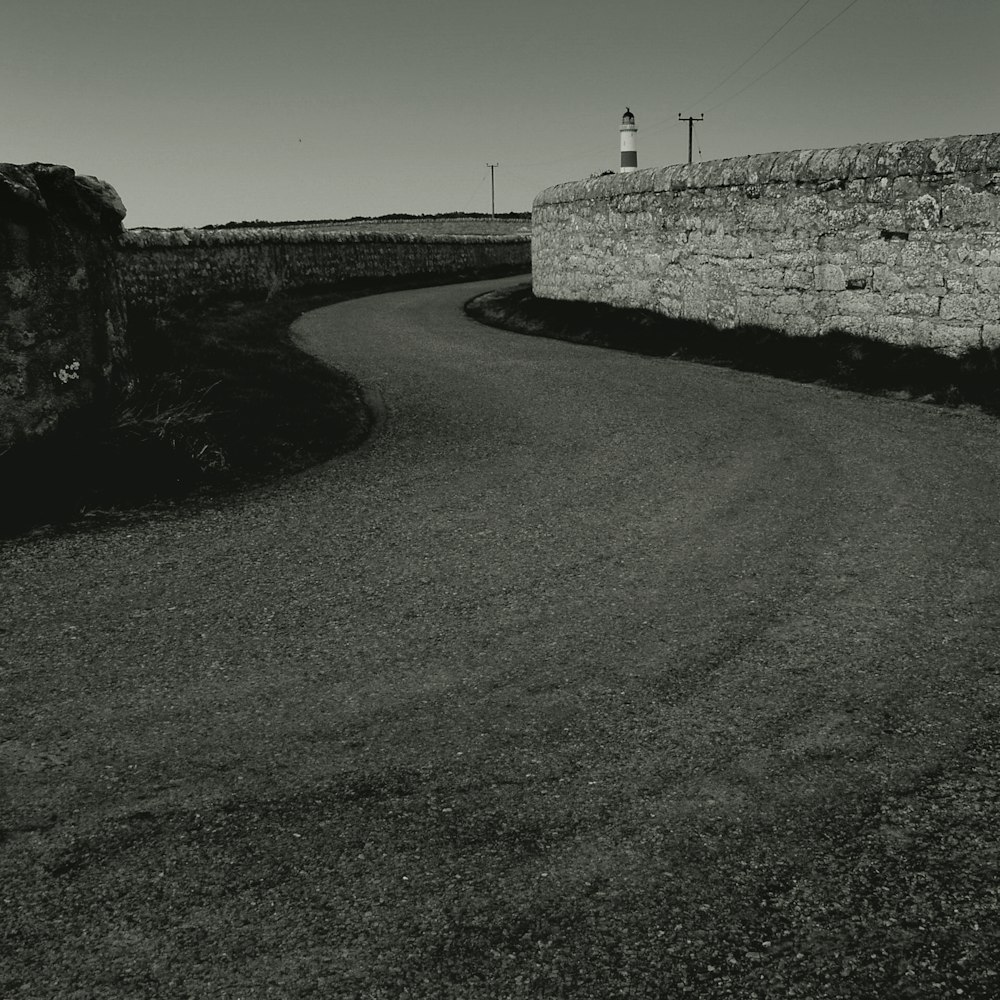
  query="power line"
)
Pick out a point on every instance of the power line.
point(697, 140)
point(771, 37)
point(474, 193)
point(784, 59)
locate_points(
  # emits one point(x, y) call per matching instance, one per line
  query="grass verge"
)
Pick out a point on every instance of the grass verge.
point(220, 398)
point(837, 358)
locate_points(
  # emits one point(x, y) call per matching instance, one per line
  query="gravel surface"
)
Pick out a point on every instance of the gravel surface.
point(656, 606)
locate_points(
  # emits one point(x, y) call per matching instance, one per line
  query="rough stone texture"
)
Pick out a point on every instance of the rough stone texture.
point(897, 241)
point(61, 314)
point(161, 267)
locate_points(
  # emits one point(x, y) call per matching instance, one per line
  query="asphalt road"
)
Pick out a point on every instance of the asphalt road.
point(595, 568)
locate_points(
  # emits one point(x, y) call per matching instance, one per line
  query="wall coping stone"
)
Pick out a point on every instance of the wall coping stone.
point(965, 154)
point(37, 188)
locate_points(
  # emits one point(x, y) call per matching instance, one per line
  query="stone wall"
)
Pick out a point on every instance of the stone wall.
point(162, 267)
point(61, 315)
point(69, 274)
point(897, 241)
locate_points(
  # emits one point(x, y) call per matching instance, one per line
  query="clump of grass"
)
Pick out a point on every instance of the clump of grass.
point(217, 397)
point(226, 391)
point(165, 412)
point(837, 358)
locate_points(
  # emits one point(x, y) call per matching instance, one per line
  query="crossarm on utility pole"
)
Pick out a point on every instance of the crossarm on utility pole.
point(690, 120)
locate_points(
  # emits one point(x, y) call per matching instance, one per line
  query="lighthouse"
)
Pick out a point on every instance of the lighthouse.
point(628, 132)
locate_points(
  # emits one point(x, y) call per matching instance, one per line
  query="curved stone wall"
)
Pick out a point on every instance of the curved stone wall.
point(62, 325)
point(69, 274)
point(161, 267)
point(898, 241)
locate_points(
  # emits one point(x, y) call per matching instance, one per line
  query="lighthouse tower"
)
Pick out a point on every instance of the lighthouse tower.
point(628, 132)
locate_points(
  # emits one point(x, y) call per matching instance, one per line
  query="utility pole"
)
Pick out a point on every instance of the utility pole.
point(690, 120)
point(493, 198)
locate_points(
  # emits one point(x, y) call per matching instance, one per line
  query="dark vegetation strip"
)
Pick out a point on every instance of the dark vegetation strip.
point(837, 358)
point(220, 398)
point(392, 217)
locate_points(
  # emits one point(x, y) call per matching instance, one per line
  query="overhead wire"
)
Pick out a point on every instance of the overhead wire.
point(784, 59)
point(468, 202)
point(725, 80)
point(766, 72)
point(784, 24)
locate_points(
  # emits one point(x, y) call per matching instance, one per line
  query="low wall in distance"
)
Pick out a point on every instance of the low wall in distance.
point(159, 268)
point(897, 241)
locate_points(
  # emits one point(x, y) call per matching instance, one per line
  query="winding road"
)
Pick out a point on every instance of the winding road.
point(669, 598)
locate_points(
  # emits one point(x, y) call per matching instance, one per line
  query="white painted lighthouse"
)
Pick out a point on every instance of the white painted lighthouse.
point(628, 132)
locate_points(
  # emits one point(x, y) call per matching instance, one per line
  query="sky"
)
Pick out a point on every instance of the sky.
point(210, 111)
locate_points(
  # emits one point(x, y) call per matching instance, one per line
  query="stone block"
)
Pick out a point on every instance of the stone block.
point(894, 329)
point(991, 335)
point(857, 303)
point(917, 255)
point(801, 279)
point(978, 308)
point(764, 277)
point(923, 332)
point(962, 206)
point(637, 292)
point(962, 253)
point(912, 304)
point(878, 251)
point(986, 254)
point(887, 219)
point(695, 305)
point(878, 191)
point(923, 212)
point(886, 280)
point(961, 281)
point(829, 278)
point(751, 310)
point(926, 279)
point(669, 306)
point(672, 284)
point(954, 340)
point(794, 324)
point(782, 305)
point(727, 247)
point(987, 279)
point(763, 217)
point(858, 325)
point(838, 253)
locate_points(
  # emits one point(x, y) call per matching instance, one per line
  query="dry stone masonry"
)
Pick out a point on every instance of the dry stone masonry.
point(163, 267)
point(62, 321)
point(70, 275)
point(898, 241)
